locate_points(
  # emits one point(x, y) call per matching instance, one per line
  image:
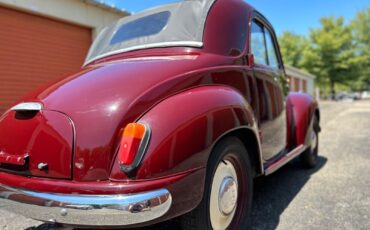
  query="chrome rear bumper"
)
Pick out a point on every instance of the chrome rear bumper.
point(87, 210)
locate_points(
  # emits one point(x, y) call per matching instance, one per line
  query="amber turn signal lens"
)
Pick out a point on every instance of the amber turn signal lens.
point(130, 143)
point(134, 130)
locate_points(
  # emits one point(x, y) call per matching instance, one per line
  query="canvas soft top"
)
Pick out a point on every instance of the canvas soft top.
point(176, 24)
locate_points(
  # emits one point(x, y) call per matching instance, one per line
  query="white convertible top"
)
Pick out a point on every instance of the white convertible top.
point(176, 24)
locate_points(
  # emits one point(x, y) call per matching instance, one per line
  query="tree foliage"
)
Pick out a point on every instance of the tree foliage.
point(361, 33)
point(332, 52)
point(291, 47)
point(336, 52)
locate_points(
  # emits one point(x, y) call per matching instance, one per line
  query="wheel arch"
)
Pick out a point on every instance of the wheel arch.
point(251, 142)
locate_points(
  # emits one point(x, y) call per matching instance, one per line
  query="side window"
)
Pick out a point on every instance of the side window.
point(258, 43)
point(263, 46)
point(273, 61)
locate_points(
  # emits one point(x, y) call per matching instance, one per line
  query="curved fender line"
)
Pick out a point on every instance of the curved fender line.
point(302, 107)
point(187, 125)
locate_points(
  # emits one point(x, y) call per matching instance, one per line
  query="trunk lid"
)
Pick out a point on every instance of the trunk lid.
point(36, 143)
point(101, 99)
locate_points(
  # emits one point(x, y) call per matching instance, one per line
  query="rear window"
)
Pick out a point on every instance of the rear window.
point(178, 24)
point(146, 26)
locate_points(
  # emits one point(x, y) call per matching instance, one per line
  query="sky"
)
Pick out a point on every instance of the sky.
point(296, 16)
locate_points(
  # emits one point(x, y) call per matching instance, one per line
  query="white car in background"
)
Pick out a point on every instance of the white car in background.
point(345, 97)
point(365, 95)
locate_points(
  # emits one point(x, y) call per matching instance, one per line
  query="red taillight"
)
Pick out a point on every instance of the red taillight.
point(128, 149)
point(134, 141)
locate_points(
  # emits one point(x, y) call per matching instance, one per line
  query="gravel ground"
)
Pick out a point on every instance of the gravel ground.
point(335, 195)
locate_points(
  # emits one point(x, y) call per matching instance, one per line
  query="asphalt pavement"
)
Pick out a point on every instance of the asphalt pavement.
point(334, 195)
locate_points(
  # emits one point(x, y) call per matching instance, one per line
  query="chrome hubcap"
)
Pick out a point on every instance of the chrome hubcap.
point(227, 196)
point(224, 195)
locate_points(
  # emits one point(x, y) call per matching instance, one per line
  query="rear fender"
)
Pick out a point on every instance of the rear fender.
point(186, 126)
point(300, 110)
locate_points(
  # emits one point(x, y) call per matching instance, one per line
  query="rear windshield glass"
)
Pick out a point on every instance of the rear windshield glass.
point(146, 26)
point(177, 24)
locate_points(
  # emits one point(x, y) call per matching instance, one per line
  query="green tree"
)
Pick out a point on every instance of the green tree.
point(292, 48)
point(361, 34)
point(331, 53)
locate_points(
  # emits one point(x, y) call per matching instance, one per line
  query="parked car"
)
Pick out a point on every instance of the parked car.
point(174, 113)
point(365, 95)
point(347, 97)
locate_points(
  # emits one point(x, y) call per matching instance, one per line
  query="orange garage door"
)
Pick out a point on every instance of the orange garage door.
point(35, 50)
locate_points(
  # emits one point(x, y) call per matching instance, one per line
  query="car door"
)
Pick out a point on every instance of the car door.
point(270, 82)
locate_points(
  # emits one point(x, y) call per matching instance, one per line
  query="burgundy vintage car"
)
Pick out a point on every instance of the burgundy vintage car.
point(174, 113)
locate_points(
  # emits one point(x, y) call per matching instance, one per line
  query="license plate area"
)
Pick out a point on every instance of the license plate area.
point(28, 141)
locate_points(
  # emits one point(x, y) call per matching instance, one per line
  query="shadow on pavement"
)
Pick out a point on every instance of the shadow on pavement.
point(272, 195)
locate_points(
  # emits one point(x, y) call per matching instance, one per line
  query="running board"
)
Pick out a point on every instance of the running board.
point(285, 159)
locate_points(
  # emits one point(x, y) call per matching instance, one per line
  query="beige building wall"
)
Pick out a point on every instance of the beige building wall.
point(297, 79)
point(87, 13)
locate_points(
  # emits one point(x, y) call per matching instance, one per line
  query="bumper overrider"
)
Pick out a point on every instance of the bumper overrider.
point(87, 210)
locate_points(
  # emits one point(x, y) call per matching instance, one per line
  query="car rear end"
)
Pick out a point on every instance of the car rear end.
point(36, 158)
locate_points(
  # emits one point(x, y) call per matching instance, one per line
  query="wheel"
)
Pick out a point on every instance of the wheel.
point(309, 156)
point(228, 190)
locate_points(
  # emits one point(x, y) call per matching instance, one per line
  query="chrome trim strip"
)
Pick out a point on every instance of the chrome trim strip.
point(87, 210)
point(148, 46)
point(285, 159)
point(27, 106)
